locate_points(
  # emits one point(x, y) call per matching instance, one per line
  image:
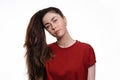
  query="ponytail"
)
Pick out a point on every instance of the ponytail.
point(37, 50)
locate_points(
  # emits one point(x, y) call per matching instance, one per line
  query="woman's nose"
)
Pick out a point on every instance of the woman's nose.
point(53, 26)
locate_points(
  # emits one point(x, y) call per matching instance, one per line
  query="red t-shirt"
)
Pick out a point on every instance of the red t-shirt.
point(70, 63)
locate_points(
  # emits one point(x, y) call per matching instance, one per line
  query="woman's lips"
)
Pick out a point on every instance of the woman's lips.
point(57, 31)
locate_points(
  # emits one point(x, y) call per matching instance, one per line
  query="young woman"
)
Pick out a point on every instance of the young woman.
point(65, 59)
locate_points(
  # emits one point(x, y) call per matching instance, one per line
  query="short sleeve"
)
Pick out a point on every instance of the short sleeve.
point(91, 57)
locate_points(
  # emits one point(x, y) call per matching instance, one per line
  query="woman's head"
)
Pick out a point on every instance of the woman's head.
point(53, 21)
point(42, 20)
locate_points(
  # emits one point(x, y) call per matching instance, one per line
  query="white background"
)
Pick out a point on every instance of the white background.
point(96, 22)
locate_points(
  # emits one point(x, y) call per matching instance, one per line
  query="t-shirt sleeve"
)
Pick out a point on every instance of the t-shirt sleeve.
point(91, 60)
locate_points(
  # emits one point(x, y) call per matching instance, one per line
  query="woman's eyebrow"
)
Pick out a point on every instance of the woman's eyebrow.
point(50, 20)
point(53, 18)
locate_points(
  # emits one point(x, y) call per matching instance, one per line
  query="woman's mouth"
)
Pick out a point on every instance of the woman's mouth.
point(57, 31)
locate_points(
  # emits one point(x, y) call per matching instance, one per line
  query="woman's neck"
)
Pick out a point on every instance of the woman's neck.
point(65, 41)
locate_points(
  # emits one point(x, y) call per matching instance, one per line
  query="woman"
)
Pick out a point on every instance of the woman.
point(65, 59)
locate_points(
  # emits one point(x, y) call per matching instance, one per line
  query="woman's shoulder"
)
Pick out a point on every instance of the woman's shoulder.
point(84, 44)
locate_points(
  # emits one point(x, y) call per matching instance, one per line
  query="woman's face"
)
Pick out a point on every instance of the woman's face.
point(55, 24)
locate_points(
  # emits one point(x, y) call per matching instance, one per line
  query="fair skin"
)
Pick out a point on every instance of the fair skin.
point(56, 26)
point(91, 72)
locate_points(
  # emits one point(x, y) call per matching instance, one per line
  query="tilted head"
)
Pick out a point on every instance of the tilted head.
point(53, 21)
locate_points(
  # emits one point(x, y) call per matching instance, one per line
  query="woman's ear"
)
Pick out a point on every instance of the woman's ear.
point(65, 20)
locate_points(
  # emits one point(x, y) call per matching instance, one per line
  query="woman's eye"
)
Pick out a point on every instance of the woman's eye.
point(55, 20)
point(47, 26)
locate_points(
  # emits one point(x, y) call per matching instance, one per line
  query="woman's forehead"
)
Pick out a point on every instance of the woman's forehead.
point(48, 16)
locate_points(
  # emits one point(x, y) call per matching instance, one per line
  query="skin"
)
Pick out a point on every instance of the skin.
point(56, 26)
point(91, 72)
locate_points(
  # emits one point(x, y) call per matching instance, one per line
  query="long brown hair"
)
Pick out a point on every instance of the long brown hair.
point(37, 50)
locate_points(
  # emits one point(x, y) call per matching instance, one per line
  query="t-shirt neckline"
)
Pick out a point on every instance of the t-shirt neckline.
point(66, 47)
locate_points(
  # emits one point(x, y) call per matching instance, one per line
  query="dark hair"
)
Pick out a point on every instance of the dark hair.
point(37, 50)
